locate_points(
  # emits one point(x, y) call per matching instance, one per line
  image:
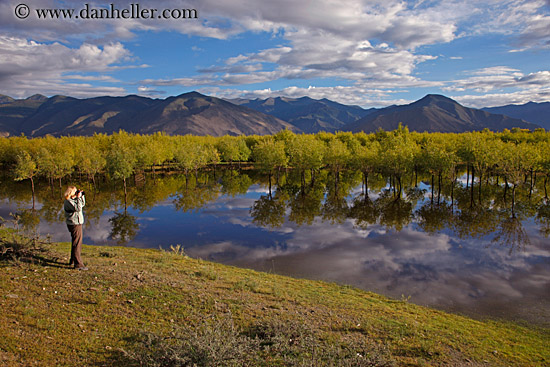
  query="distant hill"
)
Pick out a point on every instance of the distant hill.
point(307, 114)
point(13, 112)
point(6, 99)
point(189, 113)
point(436, 113)
point(537, 113)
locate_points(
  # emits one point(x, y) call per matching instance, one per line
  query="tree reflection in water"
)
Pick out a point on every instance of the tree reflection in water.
point(124, 227)
point(303, 199)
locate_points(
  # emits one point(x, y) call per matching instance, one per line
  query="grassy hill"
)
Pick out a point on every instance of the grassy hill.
point(151, 307)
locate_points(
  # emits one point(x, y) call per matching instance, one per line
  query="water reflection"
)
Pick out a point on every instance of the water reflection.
point(476, 257)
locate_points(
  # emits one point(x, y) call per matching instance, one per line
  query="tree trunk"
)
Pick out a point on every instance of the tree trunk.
point(32, 187)
point(479, 192)
point(432, 197)
point(467, 175)
point(270, 197)
point(439, 188)
point(505, 188)
point(452, 195)
point(513, 200)
point(125, 195)
point(400, 186)
point(531, 185)
point(472, 188)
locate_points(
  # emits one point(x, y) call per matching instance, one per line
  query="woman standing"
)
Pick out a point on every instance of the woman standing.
point(74, 202)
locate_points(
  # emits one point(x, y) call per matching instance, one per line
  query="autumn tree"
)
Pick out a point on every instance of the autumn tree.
point(56, 158)
point(233, 149)
point(121, 158)
point(336, 156)
point(305, 153)
point(365, 157)
point(89, 157)
point(25, 168)
point(270, 156)
point(397, 154)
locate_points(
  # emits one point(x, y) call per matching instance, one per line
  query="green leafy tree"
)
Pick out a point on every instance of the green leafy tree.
point(306, 153)
point(89, 157)
point(365, 158)
point(121, 159)
point(336, 155)
point(56, 158)
point(190, 155)
point(514, 161)
point(397, 154)
point(25, 168)
point(270, 156)
point(233, 149)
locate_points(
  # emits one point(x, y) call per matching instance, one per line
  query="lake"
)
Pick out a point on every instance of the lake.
point(458, 250)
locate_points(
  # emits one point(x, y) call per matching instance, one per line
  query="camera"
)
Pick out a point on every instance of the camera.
point(78, 192)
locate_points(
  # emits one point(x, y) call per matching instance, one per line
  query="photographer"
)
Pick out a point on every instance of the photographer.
point(74, 202)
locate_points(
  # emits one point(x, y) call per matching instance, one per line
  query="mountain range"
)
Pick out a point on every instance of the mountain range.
point(308, 115)
point(189, 113)
point(194, 113)
point(537, 113)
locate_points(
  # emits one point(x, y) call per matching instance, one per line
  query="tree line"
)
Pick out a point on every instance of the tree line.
point(515, 156)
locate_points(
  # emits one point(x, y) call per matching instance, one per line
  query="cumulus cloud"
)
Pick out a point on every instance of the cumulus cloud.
point(368, 68)
point(29, 66)
point(491, 83)
point(500, 99)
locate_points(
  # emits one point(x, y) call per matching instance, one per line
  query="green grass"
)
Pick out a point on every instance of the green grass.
point(156, 307)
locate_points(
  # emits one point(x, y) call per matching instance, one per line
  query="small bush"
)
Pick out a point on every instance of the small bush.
point(218, 342)
point(214, 342)
point(207, 273)
point(246, 284)
point(15, 247)
point(177, 250)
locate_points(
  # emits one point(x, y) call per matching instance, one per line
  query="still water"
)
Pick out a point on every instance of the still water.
point(463, 250)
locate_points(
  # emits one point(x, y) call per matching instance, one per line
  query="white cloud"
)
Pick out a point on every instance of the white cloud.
point(501, 99)
point(492, 82)
point(28, 66)
point(346, 95)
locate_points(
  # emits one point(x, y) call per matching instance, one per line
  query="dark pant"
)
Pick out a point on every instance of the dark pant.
point(76, 237)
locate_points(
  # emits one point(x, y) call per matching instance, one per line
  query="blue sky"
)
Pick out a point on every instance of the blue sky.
point(370, 53)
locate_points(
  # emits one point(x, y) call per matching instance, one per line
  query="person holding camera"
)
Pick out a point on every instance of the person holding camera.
point(74, 202)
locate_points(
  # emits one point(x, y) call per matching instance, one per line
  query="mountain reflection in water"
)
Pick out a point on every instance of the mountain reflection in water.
point(453, 250)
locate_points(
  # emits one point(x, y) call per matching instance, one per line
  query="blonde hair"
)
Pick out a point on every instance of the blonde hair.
point(70, 192)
